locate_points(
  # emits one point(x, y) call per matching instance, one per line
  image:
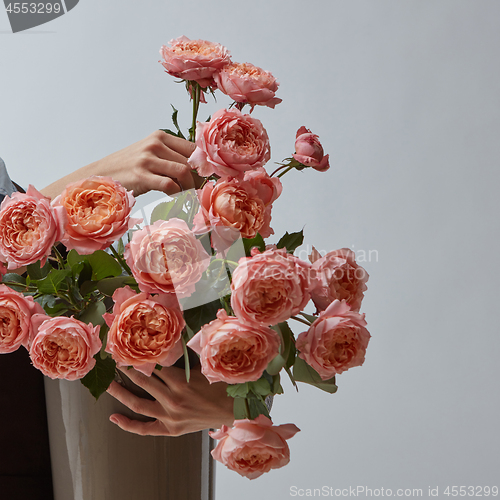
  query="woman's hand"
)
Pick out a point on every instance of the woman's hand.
point(179, 407)
point(158, 162)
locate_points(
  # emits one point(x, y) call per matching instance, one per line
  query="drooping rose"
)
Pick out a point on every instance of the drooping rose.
point(144, 330)
point(246, 83)
point(15, 319)
point(63, 347)
point(269, 287)
point(242, 205)
point(336, 341)
point(253, 447)
point(29, 227)
point(230, 144)
point(309, 151)
point(98, 212)
point(337, 276)
point(194, 60)
point(166, 257)
point(232, 351)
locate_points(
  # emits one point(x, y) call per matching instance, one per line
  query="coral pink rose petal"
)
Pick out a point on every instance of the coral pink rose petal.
point(253, 447)
point(166, 257)
point(337, 276)
point(249, 84)
point(16, 311)
point(63, 348)
point(98, 211)
point(269, 287)
point(230, 144)
point(309, 151)
point(29, 226)
point(232, 351)
point(145, 331)
point(194, 60)
point(336, 341)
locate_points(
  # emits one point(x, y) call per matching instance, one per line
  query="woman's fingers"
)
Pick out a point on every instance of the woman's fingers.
point(136, 404)
point(181, 146)
point(155, 428)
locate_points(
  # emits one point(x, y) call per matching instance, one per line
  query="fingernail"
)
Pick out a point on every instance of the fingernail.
point(113, 419)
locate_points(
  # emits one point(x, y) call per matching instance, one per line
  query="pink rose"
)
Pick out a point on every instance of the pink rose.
point(29, 227)
point(229, 144)
point(166, 257)
point(144, 330)
point(269, 287)
point(232, 351)
point(337, 276)
point(98, 211)
point(336, 341)
point(242, 205)
point(309, 151)
point(15, 319)
point(246, 83)
point(63, 347)
point(194, 60)
point(253, 447)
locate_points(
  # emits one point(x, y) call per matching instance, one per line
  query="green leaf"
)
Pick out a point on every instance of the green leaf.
point(74, 258)
point(103, 265)
point(309, 317)
point(286, 357)
point(187, 367)
point(240, 409)
point(164, 211)
point(302, 372)
point(198, 316)
point(249, 243)
point(176, 124)
point(53, 282)
point(277, 388)
point(100, 377)
point(291, 241)
point(15, 281)
point(257, 407)
point(93, 314)
point(238, 390)
point(108, 286)
point(35, 272)
point(260, 387)
point(120, 247)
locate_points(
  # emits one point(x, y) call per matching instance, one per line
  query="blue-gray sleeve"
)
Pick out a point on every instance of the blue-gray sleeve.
point(6, 186)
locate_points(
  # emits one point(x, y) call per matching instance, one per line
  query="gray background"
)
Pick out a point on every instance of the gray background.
point(404, 95)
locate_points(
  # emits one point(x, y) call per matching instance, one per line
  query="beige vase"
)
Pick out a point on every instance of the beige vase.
point(92, 459)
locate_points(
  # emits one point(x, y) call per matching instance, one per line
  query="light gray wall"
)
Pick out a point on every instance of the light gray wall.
point(404, 95)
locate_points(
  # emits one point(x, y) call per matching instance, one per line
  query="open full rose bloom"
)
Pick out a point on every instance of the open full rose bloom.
point(63, 347)
point(29, 226)
point(232, 351)
point(194, 60)
point(246, 83)
point(144, 330)
point(98, 212)
point(166, 257)
point(309, 151)
point(230, 144)
point(269, 287)
point(242, 205)
point(15, 319)
point(253, 447)
point(337, 276)
point(336, 341)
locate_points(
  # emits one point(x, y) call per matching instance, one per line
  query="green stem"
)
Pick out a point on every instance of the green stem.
point(59, 257)
point(195, 94)
point(278, 169)
point(285, 171)
point(121, 260)
point(300, 320)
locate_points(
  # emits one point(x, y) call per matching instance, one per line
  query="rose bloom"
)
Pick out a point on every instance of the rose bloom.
point(29, 227)
point(246, 83)
point(166, 257)
point(337, 276)
point(232, 351)
point(144, 331)
point(63, 347)
point(98, 211)
point(242, 205)
point(309, 151)
point(269, 287)
point(253, 447)
point(194, 60)
point(230, 144)
point(336, 341)
point(15, 319)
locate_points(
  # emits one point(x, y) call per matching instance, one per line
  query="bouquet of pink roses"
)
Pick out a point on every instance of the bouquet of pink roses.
point(198, 276)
